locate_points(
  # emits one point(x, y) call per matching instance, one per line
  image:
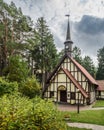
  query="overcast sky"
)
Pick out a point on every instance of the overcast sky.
point(86, 20)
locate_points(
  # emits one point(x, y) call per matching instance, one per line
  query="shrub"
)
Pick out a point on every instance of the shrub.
point(7, 87)
point(30, 87)
point(46, 116)
point(21, 113)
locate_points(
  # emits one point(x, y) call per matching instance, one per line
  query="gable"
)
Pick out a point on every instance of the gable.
point(60, 77)
point(76, 70)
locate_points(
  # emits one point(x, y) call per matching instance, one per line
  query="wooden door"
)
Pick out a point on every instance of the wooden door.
point(63, 96)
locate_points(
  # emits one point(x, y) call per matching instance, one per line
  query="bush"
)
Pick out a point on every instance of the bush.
point(7, 87)
point(13, 112)
point(30, 87)
point(46, 116)
point(21, 113)
point(17, 69)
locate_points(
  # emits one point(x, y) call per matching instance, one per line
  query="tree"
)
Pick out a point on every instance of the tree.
point(17, 69)
point(89, 66)
point(44, 52)
point(100, 71)
point(77, 54)
point(15, 29)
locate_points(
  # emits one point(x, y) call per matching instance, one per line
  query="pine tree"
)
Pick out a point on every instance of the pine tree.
point(44, 52)
point(100, 71)
point(89, 65)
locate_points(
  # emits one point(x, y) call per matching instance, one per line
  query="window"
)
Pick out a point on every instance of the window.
point(51, 94)
point(72, 95)
point(99, 93)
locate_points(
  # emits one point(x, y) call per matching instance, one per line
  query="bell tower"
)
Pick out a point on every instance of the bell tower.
point(68, 43)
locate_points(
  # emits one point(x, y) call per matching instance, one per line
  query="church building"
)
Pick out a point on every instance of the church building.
point(70, 82)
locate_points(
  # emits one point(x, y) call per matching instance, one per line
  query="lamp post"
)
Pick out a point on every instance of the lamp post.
point(78, 102)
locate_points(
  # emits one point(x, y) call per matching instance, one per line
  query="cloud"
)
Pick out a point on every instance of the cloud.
point(91, 25)
point(87, 23)
point(88, 34)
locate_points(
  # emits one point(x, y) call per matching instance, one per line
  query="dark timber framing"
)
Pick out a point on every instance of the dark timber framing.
point(79, 74)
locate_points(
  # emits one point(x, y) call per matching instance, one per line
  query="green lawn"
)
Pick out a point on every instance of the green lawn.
point(99, 103)
point(89, 116)
point(75, 128)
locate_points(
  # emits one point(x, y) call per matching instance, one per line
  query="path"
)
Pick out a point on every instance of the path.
point(87, 126)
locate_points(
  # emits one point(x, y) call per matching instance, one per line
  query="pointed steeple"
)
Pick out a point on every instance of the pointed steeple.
point(68, 43)
point(68, 29)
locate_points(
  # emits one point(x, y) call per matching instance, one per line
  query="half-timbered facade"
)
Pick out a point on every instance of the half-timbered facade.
point(70, 82)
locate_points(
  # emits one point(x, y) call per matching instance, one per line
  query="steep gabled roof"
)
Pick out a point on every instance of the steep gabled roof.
point(81, 68)
point(70, 76)
point(100, 85)
point(84, 71)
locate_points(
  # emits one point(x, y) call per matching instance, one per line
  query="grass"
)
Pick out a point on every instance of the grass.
point(89, 116)
point(75, 128)
point(99, 103)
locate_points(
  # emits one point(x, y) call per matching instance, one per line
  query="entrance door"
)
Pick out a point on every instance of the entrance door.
point(63, 96)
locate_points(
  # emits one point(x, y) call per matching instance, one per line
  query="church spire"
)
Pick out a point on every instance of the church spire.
point(68, 29)
point(68, 43)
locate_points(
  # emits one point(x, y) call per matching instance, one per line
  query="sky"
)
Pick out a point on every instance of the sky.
point(86, 21)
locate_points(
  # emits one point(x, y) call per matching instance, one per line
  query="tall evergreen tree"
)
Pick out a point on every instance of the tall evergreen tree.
point(89, 65)
point(44, 52)
point(77, 54)
point(15, 29)
point(100, 71)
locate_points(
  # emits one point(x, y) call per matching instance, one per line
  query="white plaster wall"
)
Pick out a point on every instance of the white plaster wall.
point(61, 78)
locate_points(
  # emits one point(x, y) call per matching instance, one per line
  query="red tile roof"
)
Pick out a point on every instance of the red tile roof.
point(84, 71)
point(70, 76)
point(100, 85)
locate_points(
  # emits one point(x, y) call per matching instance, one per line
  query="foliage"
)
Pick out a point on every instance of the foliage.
point(77, 54)
point(20, 113)
point(89, 66)
point(44, 52)
point(100, 72)
point(30, 87)
point(15, 29)
point(7, 87)
point(86, 62)
point(17, 69)
point(13, 112)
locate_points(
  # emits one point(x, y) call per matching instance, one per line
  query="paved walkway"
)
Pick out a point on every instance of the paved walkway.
point(87, 126)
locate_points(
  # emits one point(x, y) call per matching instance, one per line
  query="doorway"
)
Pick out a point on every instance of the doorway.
point(63, 96)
